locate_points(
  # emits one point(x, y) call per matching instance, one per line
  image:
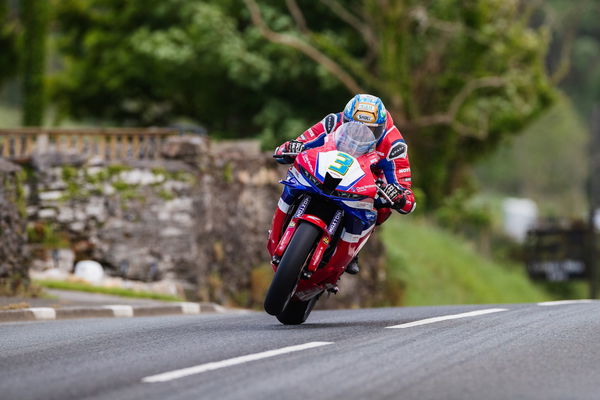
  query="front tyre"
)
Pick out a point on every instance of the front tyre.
point(297, 311)
point(288, 272)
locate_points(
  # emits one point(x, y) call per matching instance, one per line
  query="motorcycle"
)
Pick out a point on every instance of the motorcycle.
point(332, 184)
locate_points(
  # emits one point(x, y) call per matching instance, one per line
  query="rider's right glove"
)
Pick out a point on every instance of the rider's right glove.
point(288, 151)
point(396, 194)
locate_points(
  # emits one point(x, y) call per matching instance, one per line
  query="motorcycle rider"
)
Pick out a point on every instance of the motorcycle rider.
point(393, 166)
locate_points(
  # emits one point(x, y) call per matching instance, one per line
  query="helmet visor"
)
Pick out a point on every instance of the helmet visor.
point(376, 129)
point(354, 138)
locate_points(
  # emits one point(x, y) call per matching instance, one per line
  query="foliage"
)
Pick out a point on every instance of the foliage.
point(457, 76)
point(575, 55)
point(547, 163)
point(161, 62)
point(441, 268)
point(35, 15)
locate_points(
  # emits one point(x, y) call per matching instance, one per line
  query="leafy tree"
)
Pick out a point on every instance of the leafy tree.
point(457, 75)
point(35, 22)
point(161, 62)
point(575, 54)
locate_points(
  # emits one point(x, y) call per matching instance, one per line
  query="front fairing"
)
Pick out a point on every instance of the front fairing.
point(356, 191)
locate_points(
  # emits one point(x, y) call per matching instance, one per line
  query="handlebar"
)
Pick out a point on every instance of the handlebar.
point(283, 155)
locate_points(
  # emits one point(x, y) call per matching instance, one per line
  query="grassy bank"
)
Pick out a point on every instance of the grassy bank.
point(84, 287)
point(432, 266)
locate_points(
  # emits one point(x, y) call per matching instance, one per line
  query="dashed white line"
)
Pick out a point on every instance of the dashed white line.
point(561, 302)
point(447, 317)
point(180, 373)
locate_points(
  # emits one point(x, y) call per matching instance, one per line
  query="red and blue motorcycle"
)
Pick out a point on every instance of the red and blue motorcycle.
point(333, 186)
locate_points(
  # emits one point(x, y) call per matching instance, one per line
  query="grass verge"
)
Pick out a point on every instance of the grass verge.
point(85, 287)
point(431, 266)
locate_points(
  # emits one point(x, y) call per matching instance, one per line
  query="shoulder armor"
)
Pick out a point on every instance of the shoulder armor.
point(329, 122)
point(398, 150)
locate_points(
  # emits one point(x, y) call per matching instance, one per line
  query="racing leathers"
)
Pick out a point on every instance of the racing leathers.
point(393, 167)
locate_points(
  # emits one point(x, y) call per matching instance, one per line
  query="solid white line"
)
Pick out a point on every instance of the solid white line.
point(561, 302)
point(447, 317)
point(180, 373)
point(43, 312)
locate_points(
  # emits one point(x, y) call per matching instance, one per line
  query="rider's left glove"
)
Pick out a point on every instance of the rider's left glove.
point(396, 194)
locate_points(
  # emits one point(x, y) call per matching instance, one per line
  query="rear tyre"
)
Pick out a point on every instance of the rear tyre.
point(297, 311)
point(288, 272)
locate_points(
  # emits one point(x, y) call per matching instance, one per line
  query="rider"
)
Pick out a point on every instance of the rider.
point(393, 165)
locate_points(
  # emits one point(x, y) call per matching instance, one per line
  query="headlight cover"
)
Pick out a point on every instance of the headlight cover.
point(336, 193)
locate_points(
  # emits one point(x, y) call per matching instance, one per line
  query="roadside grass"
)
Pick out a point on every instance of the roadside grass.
point(431, 266)
point(85, 287)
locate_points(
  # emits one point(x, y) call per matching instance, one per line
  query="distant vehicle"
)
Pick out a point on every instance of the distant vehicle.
point(334, 182)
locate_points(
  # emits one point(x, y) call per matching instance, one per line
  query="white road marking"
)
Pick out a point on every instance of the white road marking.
point(121, 311)
point(198, 369)
point(447, 317)
point(43, 312)
point(561, 302)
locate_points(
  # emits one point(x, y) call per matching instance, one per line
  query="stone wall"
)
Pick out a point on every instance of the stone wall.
point(13, 257)
point(197, 220)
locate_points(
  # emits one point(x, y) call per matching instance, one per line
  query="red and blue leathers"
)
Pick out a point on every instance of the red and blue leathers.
point(393, 165)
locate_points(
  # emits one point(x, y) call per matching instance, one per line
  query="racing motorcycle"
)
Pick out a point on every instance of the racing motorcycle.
point(331, 184)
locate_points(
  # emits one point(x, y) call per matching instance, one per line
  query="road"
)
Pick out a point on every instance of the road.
point(516, 351)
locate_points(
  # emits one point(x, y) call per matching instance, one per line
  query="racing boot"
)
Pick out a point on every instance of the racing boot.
point(352, 268)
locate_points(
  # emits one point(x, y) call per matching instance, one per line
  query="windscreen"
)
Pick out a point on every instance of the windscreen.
point(354, 138)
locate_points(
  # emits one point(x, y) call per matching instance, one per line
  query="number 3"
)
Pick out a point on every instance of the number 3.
point(343, 161)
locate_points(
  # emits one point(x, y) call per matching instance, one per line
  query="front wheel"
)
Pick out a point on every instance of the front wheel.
point(290, 267)
point(297, 311)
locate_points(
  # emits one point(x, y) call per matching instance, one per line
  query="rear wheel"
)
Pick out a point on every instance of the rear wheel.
point(297, 311)
point(290, 267)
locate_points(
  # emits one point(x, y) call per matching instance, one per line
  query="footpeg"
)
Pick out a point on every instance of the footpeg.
point(333, 290)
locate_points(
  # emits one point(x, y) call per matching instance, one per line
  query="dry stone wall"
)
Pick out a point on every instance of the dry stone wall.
point(13, 256)
point(196, 221)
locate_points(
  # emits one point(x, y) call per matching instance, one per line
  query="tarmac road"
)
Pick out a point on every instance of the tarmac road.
point(516, 351)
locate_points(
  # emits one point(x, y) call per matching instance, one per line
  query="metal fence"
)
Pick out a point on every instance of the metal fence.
point(105, 144)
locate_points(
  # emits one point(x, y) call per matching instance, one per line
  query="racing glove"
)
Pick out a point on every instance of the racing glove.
point(286, 153)
point(396, 194)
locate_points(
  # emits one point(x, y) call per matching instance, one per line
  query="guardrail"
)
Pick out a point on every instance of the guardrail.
point(20, 144)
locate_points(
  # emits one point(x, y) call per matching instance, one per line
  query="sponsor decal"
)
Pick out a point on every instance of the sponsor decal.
point(366, 107)
point(292, 224)
point(326, 240)
point(364, 117)
point(329, 123)
point(403, 170)
point(398, 150)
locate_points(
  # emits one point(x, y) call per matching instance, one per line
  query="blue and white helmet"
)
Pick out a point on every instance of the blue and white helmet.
point(368, 110)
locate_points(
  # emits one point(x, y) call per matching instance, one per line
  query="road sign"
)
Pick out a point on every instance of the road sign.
point(557, 254)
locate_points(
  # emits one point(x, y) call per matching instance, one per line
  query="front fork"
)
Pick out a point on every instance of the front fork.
point(323, 242)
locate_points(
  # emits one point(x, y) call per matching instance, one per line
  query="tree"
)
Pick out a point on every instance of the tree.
point(162, 62)
point(35, 22)
point(458, 76)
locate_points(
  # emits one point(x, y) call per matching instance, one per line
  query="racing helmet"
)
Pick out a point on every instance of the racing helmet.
point(368, 110)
